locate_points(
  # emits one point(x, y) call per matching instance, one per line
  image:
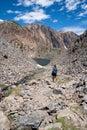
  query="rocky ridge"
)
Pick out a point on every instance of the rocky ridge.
point(78, 55)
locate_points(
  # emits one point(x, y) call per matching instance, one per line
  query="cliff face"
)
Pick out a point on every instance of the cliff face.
point(69, 38)
point(35, 38)
point(51, 38)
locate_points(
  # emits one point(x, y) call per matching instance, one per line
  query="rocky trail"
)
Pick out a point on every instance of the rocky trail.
point(37, 103)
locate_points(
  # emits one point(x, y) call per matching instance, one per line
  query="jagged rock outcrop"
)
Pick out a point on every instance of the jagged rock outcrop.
point(78, 55)
point(81, 42)
point(69, 38)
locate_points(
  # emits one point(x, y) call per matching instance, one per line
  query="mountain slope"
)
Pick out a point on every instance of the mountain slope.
point(35, 38)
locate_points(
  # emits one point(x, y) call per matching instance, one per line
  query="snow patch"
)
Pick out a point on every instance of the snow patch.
point(39, 66)
point(65, 47)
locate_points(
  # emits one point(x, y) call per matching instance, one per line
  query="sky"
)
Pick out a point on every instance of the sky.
point(60, 15)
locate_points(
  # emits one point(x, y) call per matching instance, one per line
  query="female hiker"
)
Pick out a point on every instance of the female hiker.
point(54, 72)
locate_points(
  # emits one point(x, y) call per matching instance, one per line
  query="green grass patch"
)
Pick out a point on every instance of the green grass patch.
point(54, 51)
point(85, 126)
point(62, 80)
point(11, 117)
point(1, 86)
point(66, 125)
point(62, 121)
point(75, 107)
point(13, 90)
point(59, 51)
point(51, 129)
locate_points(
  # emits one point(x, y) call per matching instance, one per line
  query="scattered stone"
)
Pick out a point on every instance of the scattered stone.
point(5, 56)
point(48, 83)
point(33, 82)
point(85, 64)
point(58, 91)
point(51, 112)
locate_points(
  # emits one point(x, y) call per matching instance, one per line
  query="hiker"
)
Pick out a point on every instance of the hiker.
point(54, 72)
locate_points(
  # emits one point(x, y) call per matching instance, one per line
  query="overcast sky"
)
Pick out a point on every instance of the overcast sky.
point(61, 15)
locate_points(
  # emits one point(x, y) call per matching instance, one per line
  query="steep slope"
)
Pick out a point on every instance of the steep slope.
point(35, 39)
point(13, 64)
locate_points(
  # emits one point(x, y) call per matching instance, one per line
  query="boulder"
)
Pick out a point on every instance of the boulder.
point(4, 122)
